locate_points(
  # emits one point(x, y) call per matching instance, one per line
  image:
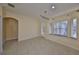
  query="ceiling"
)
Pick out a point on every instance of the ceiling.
point(37, 9)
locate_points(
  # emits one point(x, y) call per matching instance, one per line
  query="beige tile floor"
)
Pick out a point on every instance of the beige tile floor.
point(37, 46)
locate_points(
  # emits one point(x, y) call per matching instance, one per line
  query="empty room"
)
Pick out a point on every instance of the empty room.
point(39, 29)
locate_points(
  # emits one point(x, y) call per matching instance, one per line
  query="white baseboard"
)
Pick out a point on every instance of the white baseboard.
point(28, 38)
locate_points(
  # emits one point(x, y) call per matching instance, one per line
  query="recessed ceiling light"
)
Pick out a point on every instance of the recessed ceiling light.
point(53, 6)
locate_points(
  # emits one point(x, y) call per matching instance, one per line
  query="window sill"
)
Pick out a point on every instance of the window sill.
point(74, 38)
point(58, 35)
point(63, 36)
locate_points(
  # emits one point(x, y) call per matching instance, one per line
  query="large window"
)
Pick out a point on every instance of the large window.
point(60, 28)
point(74, 28)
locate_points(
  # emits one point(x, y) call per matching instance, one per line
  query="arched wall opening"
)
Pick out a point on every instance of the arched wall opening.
point(10, 29)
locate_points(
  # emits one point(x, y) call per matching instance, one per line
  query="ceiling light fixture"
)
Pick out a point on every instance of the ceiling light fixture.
point(53, 6)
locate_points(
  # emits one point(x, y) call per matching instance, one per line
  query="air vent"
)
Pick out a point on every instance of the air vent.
point(77, 10)
point(11, 5)
point(52, 18)
point(44, 17)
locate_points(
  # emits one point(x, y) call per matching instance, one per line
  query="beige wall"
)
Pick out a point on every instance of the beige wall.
point(67, 41)
point(1, 31)
point(28, 27)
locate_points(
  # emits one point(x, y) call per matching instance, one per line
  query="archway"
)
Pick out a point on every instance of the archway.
point(10, 29)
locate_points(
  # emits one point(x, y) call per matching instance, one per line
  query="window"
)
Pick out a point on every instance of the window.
point(74, 28)
point(60, 28)
point(63, 26)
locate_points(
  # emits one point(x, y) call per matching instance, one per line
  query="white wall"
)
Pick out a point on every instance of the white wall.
point(28, 26)
point(67, 41)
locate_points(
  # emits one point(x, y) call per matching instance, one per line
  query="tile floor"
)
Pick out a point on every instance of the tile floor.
point(37, 46)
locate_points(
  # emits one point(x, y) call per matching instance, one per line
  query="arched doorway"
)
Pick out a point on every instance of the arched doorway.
point(10, 29)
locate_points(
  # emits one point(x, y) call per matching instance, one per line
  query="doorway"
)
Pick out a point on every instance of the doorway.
point(10, 29)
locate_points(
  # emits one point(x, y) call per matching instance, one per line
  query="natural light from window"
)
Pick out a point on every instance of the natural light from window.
point(60, 28)
point(74, 28)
